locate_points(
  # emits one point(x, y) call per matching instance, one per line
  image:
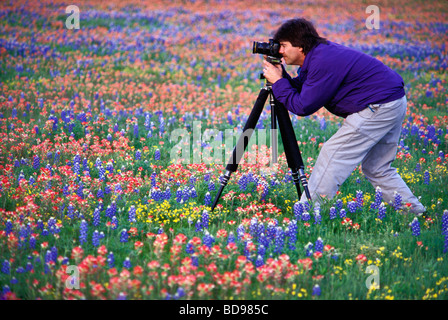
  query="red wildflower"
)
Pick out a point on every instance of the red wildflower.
point(361, 258)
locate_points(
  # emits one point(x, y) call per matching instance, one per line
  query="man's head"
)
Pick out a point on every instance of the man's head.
point(297, 37)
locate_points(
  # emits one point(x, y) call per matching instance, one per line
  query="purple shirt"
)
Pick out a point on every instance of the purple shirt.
point(340, 79)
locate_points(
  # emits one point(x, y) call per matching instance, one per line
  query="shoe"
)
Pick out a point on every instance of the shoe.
point(417, 210)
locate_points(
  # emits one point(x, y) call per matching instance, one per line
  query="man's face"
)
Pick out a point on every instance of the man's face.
point(291, 55)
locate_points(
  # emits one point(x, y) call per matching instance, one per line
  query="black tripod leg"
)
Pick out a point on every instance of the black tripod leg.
point(243, 141)
point(292, 151)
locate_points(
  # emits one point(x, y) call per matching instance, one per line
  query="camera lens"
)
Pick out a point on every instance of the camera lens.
point(270, 48)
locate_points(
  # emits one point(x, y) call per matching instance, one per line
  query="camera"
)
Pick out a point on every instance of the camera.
point(271, 49)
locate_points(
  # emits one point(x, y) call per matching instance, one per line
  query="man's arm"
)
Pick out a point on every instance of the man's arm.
point(318, 89)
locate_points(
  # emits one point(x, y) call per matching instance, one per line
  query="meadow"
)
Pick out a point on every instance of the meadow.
point(100, 199)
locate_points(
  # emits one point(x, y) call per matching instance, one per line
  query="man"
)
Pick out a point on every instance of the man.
point(353, 85)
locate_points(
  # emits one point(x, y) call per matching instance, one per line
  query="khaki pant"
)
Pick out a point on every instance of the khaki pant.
point(369, 137)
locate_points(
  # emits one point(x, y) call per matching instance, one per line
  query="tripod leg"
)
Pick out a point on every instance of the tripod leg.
point(274, 131)
point(243, 141)
point(292, 151)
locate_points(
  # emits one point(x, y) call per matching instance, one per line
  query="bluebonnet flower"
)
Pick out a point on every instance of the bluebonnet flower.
point(198, 226)
point(179, 195)
point(378, 198)
point(205, 219)
point(426, 177)
point(211, 186)
point(308, 249)
point(189, 248)
point(208, 239)
point(193, 193)
point(240, 231)
point(138, 155)
point(260, 229)
point(415, 226)
point(231, 238)
point(127, 263)
point(322, 124)
point(339, 204)
point(298, 210)
point(306, 216)
point(253, 227)
point(32, 242)
point(65, 191)
point(113, 206)
point(292, 234)
point(179, 293)
point(57, 156)
point(124, 236)
point(332, 213)
point(259, 261)
point(242, 182)
point(80, 190)
point(397, 201)
point(381, 211)
point(36, 162)
point(317, 216)
point(352, 206)
point(76, 168)
point(44, 233)
point(111, 260)
point(6, 267)
point(316, 290)
point(270, 231)
point(20, 177)
point(20, 270)
point(319, 245)
point(185, 194)
point(157, 155)
point(342, 213)
point(101, 173)
point(29, 267)
point(136, 130)
point(131, 214)
point(194, 260)
point(54, 254)
point(279, 240)
point(96, 217)
point(445, 230)
point(445, 222)
point(264, 241)
point(167, 193)
point(96, 238)
point(83, 232)
point(359, 198)
point(9, 227)
point(48, 256)
point(110, 167)
point(207, 199)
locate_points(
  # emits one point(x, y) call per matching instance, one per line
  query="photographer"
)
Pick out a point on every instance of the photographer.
point(353, 85)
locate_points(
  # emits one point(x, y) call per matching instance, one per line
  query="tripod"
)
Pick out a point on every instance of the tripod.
point(292, 152)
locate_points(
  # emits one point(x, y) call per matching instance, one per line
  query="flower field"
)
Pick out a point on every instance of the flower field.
point(114, 136)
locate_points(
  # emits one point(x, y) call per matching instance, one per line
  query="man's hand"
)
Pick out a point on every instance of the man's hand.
point(271, 72)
